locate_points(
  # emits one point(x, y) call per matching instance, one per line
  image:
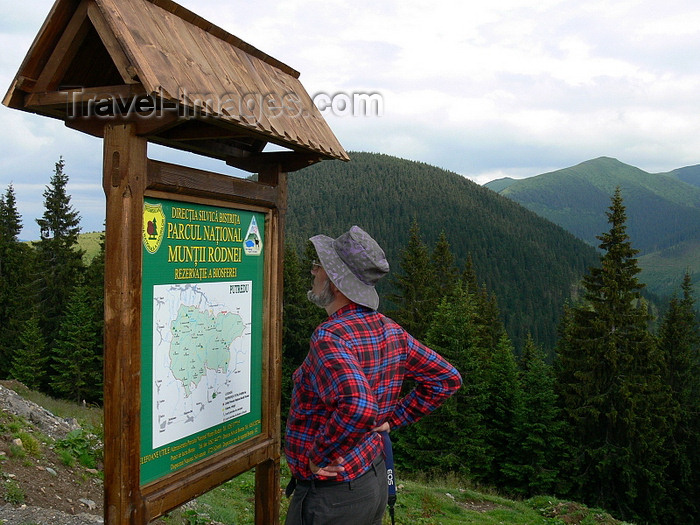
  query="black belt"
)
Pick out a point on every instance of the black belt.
point(328, 482)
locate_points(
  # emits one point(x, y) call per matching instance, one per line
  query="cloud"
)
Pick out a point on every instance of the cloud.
point(485, 89)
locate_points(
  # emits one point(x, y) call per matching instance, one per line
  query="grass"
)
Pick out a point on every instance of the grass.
point(449, 500)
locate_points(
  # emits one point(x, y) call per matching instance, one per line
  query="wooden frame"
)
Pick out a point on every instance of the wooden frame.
point(128, 178)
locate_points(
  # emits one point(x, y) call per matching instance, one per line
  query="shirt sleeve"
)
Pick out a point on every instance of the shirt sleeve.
point(436, 380)
point(343, 388)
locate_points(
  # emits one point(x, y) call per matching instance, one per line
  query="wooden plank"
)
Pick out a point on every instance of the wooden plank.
point(204, 83)
point(113, 11)
point(123, 182)
point(185, 485)
point(182, 180)
point(62, 98)
point(220, 33)
point(122, 63)
point(65, 50)
point(231, 87)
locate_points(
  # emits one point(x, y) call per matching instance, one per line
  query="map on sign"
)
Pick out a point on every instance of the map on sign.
point(201, 357)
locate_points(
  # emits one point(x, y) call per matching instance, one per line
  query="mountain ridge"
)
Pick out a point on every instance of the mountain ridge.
point(529, 263)
point(663, 212)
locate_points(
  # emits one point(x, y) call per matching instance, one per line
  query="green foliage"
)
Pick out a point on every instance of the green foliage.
point(31, 444)
point(76, 359)
point(679, 341)
point(416, 284)
point(609, 378)
point(60, 262)
point(300, 318)
point(536, 465)
point(29, 362)
point(13, 493)
point(16, 280)
point(81, 446)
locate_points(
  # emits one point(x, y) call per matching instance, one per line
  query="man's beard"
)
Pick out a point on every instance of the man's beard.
point(324, 297)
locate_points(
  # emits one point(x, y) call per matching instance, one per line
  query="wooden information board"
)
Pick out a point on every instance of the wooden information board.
point(192, 331)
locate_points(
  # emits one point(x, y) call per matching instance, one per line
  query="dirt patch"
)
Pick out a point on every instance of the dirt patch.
point(479, 506)
point(47, 482)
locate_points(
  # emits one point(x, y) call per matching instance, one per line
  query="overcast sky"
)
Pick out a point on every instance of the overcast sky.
point(484, 89)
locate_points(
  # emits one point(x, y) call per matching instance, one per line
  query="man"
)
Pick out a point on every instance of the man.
point(347, 389)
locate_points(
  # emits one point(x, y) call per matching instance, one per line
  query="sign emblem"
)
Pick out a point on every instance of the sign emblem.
point(252, 245)
point(153, 226)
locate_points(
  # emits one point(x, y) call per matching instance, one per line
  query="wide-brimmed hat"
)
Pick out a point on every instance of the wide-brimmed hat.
point(354, 262)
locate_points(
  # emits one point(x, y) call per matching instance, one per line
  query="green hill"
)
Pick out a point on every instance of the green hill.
point(689, 174)
point(663, 212)
point(498, 185)
point(529, 263)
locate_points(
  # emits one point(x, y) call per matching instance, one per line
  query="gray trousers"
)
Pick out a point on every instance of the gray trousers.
point(358, 502)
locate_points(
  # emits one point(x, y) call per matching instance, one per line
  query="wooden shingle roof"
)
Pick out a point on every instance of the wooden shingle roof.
point(185, 82)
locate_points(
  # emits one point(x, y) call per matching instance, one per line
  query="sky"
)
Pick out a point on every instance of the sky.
point(505, 88)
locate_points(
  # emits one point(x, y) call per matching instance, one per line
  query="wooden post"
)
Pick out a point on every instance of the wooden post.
point(267, 474)
point(124, 176)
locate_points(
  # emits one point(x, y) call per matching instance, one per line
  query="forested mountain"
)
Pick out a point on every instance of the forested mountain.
point(663, 211)
point(530, 264)
point(689, 174)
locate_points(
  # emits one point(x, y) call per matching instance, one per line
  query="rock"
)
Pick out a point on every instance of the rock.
point(55, 427)
point(91, 505)
point(51, 471)
point(18, 442)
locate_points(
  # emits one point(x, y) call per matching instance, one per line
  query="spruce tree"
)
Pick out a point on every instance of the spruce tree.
point(502, 416)
point(541, 432)
point(77, 370)
point(29, 362)
point(60, 260)
point(610, 384)
point(94, 282)
point(444, 269)
point(453, 437)
point(679, 340)
point(415, 298)
point(16, 281)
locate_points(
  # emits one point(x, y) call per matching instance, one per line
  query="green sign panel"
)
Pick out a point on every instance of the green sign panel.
point(201, 360)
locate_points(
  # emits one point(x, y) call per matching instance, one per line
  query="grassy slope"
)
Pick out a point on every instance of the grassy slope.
point(447, 501)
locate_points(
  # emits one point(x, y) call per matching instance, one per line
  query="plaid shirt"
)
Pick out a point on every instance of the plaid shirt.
point(350, 382)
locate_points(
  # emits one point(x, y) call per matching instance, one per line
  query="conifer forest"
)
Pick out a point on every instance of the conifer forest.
point(593, 395)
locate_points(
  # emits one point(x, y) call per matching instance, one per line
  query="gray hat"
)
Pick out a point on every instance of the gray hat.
point(354, 262)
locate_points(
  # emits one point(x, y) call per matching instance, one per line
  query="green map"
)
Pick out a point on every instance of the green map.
point(201, 341)
point(201, 356)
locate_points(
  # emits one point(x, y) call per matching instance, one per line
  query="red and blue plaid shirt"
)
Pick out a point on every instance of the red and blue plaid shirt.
point(350, 383)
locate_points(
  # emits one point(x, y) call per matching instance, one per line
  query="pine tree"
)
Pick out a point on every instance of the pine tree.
point(29, 364)
point(94, 282)
point(16, 286)
point(541, 432)
point(452, 438)
point(444, 269)
point(610, 384)
point(77, 369)
point(415, 298)
point(679, 340)
point(59, 258)
point(502, 415)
